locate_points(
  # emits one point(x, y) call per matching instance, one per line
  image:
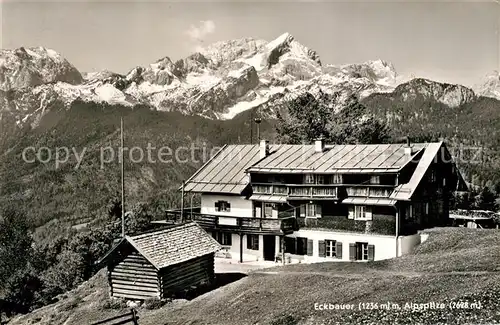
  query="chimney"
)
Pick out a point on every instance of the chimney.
point(319, 145)
point(263, 148)
point(408, 150)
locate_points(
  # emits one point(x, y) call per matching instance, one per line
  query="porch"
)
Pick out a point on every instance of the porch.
point(235, 224)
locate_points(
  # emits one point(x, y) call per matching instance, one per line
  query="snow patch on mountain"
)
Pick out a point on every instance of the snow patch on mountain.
point(242, 106)
point(219, 82)
point(489, 86)
point(109, 94)
point(204, 80)
point(31, 67)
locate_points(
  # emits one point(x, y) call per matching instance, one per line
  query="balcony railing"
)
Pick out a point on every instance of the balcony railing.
point(270, 189)
point(368, 191)
point(323, 190)
point(276, 226)
point(297, 190)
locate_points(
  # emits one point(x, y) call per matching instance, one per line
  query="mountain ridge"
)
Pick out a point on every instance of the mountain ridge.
point(226, 78)
point(220, 81)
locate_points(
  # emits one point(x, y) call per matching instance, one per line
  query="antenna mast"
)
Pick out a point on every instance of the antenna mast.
point(122, 177)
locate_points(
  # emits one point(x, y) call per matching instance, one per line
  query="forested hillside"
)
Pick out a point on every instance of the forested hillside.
point(79, 192)
point(471, 129)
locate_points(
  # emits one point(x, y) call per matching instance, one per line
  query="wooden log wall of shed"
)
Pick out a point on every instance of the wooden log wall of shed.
point(134, 278)
point(188, 274)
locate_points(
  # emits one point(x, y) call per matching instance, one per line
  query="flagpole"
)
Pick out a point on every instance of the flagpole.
point(122, 177)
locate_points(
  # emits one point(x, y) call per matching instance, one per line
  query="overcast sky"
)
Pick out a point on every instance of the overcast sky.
point(454, 42)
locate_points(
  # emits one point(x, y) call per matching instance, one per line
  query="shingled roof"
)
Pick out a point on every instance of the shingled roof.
point(362, 158)
point(172, 245)
point(225, 172)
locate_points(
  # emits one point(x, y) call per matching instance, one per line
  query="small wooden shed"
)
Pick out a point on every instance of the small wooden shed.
point(161, 263)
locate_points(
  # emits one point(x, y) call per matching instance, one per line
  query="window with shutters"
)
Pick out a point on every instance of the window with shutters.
point(223, 238)
point(310, 247)
point(296, 246)
point(362, 251)
point(330, 248)
point(310, 210)
point(360, 213)
point(301, 248)
point(268, 210)
point(253, 242)
point(222, 206)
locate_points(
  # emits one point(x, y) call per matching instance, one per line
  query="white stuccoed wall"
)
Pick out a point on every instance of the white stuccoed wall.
point(385, 246)
point(249, 255)
point(239, 206)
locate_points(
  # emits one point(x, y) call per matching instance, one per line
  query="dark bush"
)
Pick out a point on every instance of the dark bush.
point(114, 303)
point(155, 303)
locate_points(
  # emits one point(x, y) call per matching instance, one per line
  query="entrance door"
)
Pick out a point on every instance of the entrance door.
point(269, 247)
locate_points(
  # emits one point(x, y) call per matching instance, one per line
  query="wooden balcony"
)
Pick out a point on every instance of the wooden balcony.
point(297, 190)
point(272, 226)
point(331, 191)
point(368, 191)
point(313, 191)
point(276, 189)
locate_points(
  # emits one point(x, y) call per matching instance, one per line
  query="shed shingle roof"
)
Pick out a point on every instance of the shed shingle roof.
point(174, 245)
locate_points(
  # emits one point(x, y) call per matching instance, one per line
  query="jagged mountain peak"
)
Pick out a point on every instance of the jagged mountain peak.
point(489, 86)
point(39, 52)
point(375, 71)
point(218, 81)
point(287, 44)
point(230, 50)
point(284, 39)
point(33, 66)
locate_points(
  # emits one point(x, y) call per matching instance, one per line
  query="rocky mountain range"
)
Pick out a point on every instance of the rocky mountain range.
point(221, 81)
point(489, 86)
